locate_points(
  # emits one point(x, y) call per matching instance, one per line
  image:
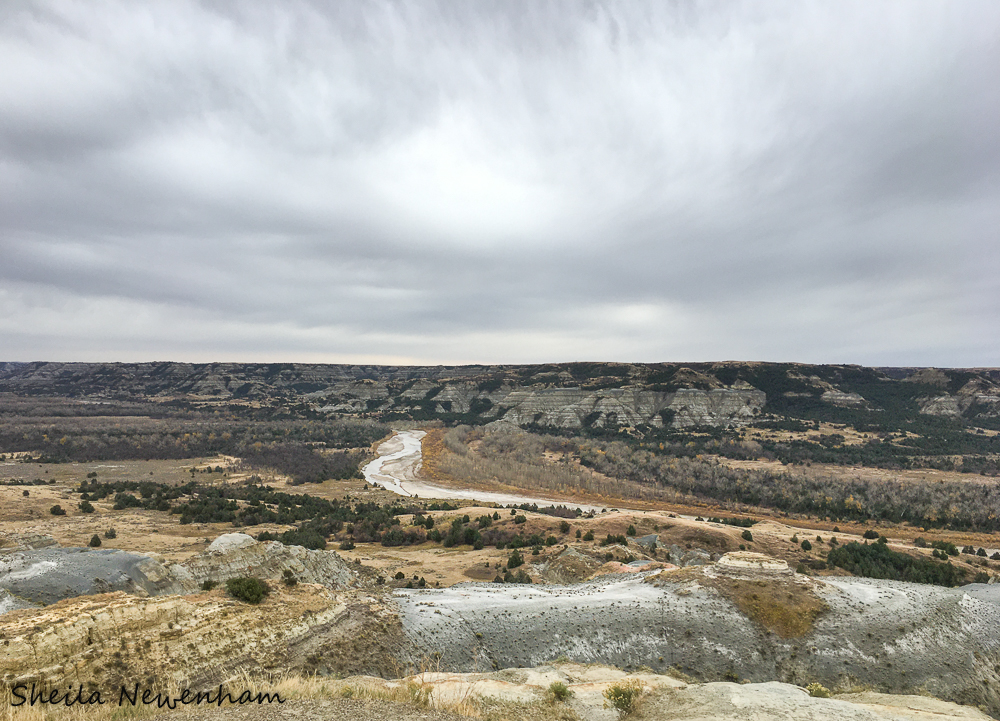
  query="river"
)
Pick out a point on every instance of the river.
point(397, 467)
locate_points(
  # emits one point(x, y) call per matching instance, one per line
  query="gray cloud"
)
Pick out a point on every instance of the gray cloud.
point(509, 182)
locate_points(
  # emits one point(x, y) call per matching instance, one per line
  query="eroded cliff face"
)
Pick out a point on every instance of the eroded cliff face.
point(117, 638)
point(575, 408)
point(568, 395)
point(977, 394)
point(52, 574)
point(237, 554)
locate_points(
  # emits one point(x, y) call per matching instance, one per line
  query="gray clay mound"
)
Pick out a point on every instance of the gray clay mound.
point(892, 636)
point(989, 592)
point(9, 602)
point(47, 575)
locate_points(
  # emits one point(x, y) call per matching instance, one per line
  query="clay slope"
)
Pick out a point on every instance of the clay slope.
point(893, 636)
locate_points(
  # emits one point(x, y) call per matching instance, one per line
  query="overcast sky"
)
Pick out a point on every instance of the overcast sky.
point(465, 182)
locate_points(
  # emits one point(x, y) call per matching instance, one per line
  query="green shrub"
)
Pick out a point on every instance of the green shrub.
point(95, 541)
point(520, 577)
point(818, 690)
point(947, 548)
point(307, 538)
point(879, 561)
point(559, 691)
point(630, 531)
point(588, 536)
point(347, 545)
point(623, 696)
point(57, 510)
point(110, 534)
point(515, 560)
point(208, 584)
point(249, 589)
point(870, 534)
point(551, 541)
point(86, 506)
point(747, 536)
point(288, 578)
point(806, 546)
point(520, 519)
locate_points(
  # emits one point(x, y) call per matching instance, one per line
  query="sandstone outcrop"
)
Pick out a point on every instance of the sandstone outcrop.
point(48, 575)
point(757, 565)
point(734, 702)
point(840, 398)
point(118, 638)
point(237, 554)
point(525, 691)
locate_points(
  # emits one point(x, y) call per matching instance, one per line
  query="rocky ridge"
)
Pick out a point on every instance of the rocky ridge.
point(570, 395)
point(47, 575)
point(189, 640)
point(895, 637)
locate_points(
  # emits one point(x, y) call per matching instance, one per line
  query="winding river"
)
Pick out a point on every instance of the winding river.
point(397, 467)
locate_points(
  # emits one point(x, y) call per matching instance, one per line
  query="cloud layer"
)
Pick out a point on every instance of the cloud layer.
point(510, 182)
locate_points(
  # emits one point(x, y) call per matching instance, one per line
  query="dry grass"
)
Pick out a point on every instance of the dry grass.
point(288, 687)
point(787, 608)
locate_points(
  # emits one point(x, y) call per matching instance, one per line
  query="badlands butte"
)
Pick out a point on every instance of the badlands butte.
point(696, 541)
